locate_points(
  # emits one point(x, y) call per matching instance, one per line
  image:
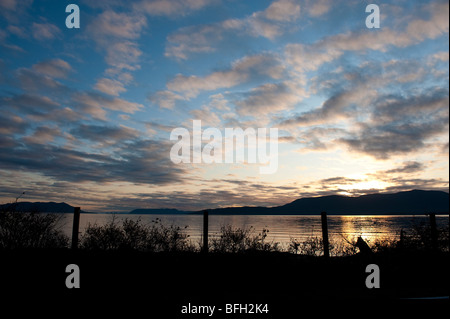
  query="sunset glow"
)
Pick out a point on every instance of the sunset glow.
point(87, 113)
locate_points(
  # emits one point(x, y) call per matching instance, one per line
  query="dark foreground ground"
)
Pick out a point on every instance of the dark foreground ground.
point(161, 284)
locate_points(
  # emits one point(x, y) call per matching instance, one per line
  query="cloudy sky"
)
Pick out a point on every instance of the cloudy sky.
point(86, 114)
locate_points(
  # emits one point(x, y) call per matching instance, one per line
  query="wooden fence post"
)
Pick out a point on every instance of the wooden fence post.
point(76, 224)
point(205, 231)
point(433, 231)
point(326, 249)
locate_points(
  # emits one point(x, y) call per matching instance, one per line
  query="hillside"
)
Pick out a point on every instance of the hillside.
point(39, 207)
point(408, 203)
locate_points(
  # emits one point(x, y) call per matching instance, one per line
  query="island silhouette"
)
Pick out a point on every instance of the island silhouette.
point(401, 203)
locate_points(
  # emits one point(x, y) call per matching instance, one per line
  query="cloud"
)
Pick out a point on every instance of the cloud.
point(105, 134)
point(309, 58)
point(171, 8)
point(13, 47)
point(418, 183)
point(111, 87)
point(437, 25)
point(152, 126)
point(153, 8)
point(283, 10)
point(415, 108)
point(269, 98)
point(123, 55)
point(375, 109)
point(445, 149)
point(12, 124)
point(55, 68)
point(404, 70)
point(95, 104)
point(192, 39)
point(383, 126)
point(403, 177)
point(339, 181)
point(32, 81)
point(333, 185)
point(18, 31)
point(117, 35)
point(34, 109)
point(262, 65)
point(385, 140)
point(29, 104)
point(166, 99)
point(45, 31)
point(14, 11)
point(215, 193)
point(259, 27)
point(43, 135)
point(312, 56)
point(315, 138)
point(273, 21)
point(42, 77)
point(59, 116)
point(338, 107)
point(407, 168)
point(39, 82)
point(137, 162)
point(110, 24)
point(219, 102)
point(192, 85)
point(8, 4)
point(270, 23)
point(440, 56)
point(242, 70)
point(317, 8)
point(207, 116)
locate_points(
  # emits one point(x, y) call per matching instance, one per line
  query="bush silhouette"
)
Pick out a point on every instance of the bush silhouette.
point(238, 240)
point(134, 235)
point(30, 230)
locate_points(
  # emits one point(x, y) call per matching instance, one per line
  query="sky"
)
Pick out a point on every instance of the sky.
point(87, 113)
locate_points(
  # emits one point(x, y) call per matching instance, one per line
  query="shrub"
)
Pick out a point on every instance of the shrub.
point(134, 235)
point(313, 246)
point(30, 230)
point(238, 240)
point(107, 237)
point(343, 248)
point(419, 238)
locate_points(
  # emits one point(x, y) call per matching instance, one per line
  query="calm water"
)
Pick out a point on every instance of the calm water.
point(281, 228)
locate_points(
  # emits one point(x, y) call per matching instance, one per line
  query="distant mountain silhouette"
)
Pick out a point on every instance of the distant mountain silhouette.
point(407, 203)
point(47, 207)
point(410, 202)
